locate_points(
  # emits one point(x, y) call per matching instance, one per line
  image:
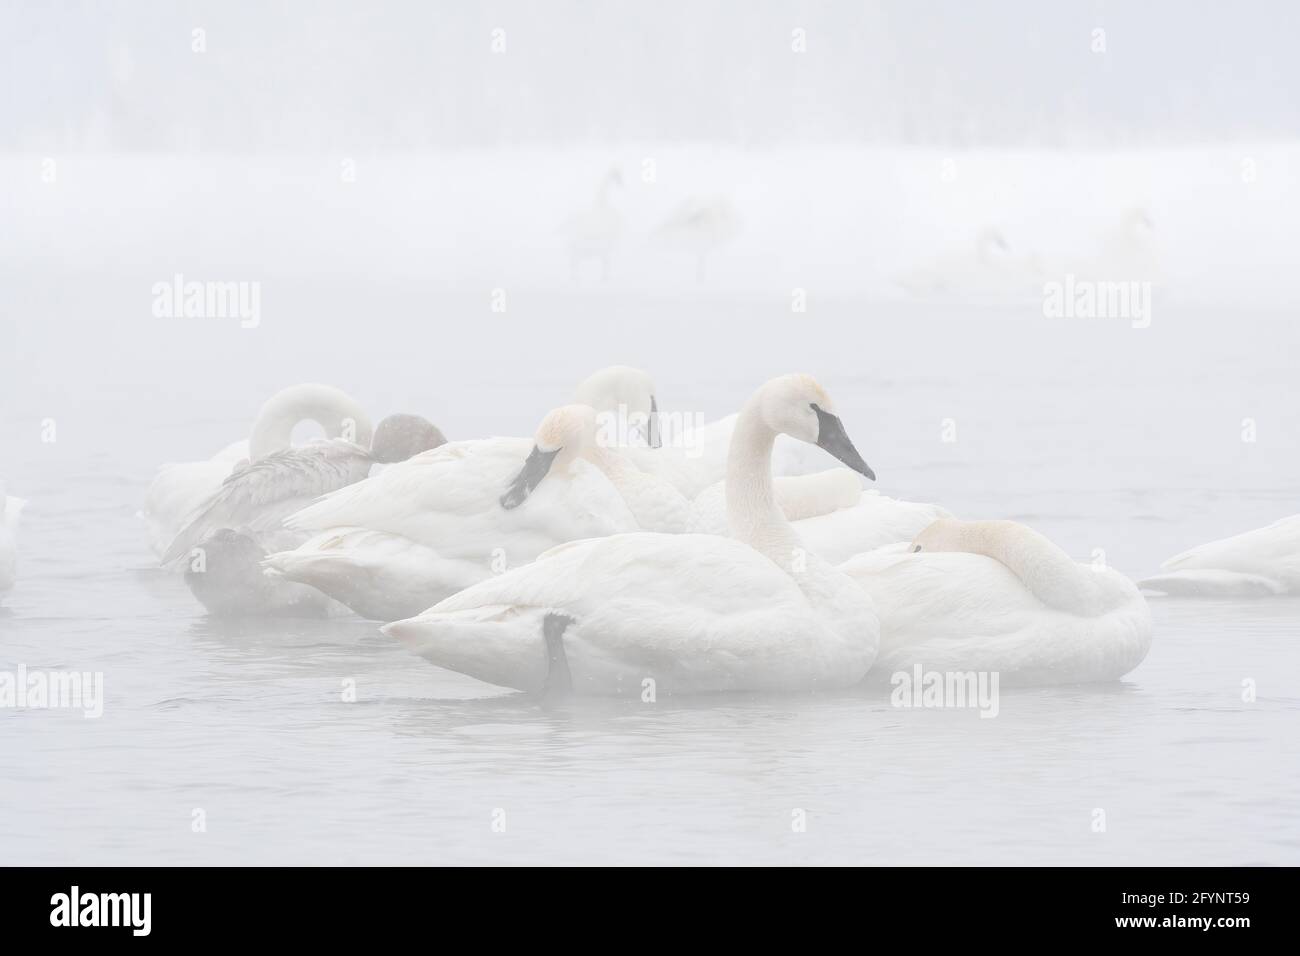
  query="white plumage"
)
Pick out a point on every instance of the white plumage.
point(1258, 563)
point(692, 613)
point(997, 596)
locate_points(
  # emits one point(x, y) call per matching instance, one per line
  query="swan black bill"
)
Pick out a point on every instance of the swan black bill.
point(536, 465)
point(832, 436)
point(655, 441)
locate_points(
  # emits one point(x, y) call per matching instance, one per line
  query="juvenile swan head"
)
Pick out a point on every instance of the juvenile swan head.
point(621, 389)
point(564, 434)
point(400, 437)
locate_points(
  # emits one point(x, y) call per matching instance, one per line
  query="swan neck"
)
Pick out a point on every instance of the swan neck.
point(752, 513)
point(337, 413)
point(1047, 572)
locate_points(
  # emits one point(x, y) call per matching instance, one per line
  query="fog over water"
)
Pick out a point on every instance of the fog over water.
point(390, 174)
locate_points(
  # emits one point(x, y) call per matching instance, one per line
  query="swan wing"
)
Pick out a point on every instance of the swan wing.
point(1271, 553)
point(958, 612)
point(259, 496)
point(691, 612)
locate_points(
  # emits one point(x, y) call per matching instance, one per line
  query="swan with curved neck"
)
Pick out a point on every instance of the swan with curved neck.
point(998, 596)
point(337, 413)
point(694, 613)
point(179, 489)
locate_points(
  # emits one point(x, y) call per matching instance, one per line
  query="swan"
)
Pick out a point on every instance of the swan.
point(229, 535)
point(699, 226)
point(692, 613)
point(985, 266)
point(397, 543)
point(9, 514)
point(624, 398)
point(1258, 563)
point(1000, 597)
point(594, 232)
point(180, 488)
point(833, 515)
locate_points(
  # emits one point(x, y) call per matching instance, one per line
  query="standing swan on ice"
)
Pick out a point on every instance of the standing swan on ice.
point(10, 509)
point(179, 489)
point(700, 226)
point(1258, 563)
point(998, 596)
point(694, 613)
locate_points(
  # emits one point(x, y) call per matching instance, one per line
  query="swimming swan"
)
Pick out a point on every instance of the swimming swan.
point(179, 489)
point(998, 596)
point(227, 537)
point(1257, 563)
point(693, 613)
point(397, 543)
point(10, 509)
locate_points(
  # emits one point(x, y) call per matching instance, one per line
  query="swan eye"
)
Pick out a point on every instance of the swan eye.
point(916, 549)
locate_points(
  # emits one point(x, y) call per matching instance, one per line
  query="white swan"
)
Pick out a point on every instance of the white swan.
point(985, 267)
point(833, 515)
point(700, 226)
point(226, 539)
point(594, 233)
point(1257, 563)
point(180, 488)
point(10, 509)
point(997, 596)
point(403, 540)
point(692, 613)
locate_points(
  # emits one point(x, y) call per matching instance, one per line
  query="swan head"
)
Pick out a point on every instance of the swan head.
point(564, 434)
point(400, 437)
point(623, 390)
point(797, 405)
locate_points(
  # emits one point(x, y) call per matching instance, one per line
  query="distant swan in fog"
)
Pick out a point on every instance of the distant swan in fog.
point(700, 226)
point(179, 489)
point(594, 233)
point(1258, 563)
point(11, 509)
point(403, 540)
point(226, 540)
point(985, 267)
point(998, 596)
point(692, 613)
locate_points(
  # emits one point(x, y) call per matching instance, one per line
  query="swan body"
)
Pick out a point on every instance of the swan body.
point(832, 514)
point(226, 540)
point(692, 613)
point(1259, 563)
point(997, 596)
point(10, 510)
point(700, 225)
point(695, 461)
point(594, 233)
point(403, 540)
point(180, 489)
point(985, 267)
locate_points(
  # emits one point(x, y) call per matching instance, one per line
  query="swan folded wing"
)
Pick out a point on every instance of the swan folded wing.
point(696, 612)
point(450, 501)
point(260, 496)
point(1271, 552)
